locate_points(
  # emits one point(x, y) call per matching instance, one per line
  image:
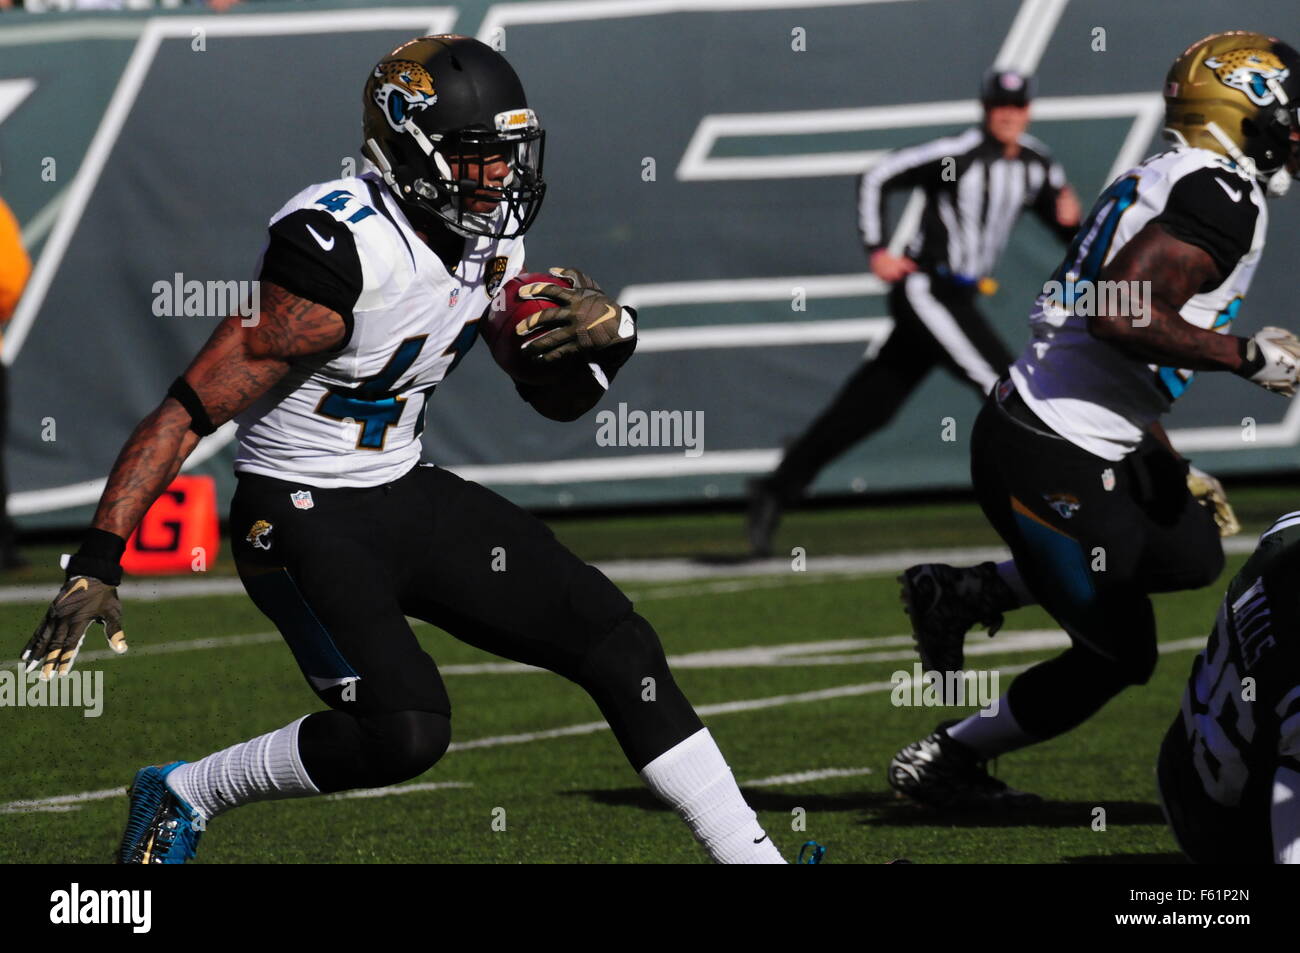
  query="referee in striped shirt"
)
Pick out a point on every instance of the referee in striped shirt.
point(975, 186)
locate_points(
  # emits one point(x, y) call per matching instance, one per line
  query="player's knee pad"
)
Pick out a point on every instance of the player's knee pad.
point(1114, 673)
point(627, 675)
point(629, 652)
point(400, 745)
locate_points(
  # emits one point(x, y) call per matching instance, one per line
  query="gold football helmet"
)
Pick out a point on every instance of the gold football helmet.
point(1238, 94)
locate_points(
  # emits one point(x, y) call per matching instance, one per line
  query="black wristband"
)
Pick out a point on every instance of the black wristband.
point(100, 557)
point(1252, 358)
point(184, 394)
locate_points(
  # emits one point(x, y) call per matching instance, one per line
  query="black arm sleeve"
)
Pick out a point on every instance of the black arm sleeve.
point(313, 255)
point(567, 398)
point(572, 395)
point(1213, 210)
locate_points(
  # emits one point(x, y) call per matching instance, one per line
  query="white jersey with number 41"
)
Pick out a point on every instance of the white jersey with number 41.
point(354, 417)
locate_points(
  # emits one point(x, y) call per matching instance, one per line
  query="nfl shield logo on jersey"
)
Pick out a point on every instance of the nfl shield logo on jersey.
point(302, 499)
point(1108, 479)
point(453, 297)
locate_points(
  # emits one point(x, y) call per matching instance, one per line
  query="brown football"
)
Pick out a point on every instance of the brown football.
point(501, 329)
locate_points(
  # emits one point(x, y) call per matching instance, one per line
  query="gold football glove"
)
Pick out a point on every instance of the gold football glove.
point(1208, 491)
point(587, 322)
point(57, 640)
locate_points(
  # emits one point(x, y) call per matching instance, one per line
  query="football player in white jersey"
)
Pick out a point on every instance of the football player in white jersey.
point(1068, 457)
point(371, 290)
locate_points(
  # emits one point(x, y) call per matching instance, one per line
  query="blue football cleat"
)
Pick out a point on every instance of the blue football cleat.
point(161, 828)
point(811, 853)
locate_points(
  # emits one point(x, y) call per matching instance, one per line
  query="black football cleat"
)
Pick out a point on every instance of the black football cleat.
point(942, 773)
point(944, 602)
point(765, 508)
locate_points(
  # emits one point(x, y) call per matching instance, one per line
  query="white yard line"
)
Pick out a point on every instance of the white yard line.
point(398, 789)
point(73, 802)
point(753, 656)
point(803, 777)
point(738, 577)
point(70, 801)
point(733, 577)
point(60, 802)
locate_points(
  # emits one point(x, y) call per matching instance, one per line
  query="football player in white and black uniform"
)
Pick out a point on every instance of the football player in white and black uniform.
point(1068, 458)
point(371, 291)
point(1229, 767)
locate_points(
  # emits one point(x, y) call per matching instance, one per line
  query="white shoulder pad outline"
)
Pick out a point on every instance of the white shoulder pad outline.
point(382, 251)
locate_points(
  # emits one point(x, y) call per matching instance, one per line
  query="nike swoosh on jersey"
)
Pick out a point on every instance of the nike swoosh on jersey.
point(330, 244)
point(1233, 194)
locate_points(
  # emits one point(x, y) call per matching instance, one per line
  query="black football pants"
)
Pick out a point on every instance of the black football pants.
point(1091, 539)
point(339, 571)
point(936, 324)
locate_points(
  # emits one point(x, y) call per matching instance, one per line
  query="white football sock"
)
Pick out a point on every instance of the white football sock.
point(266, 768)
point(990, 736)
point(693, 777)
point(1009, 574)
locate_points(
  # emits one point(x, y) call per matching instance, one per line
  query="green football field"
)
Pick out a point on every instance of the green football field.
point(792, 671)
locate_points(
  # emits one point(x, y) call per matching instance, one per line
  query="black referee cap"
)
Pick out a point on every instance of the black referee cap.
point(1006, 87)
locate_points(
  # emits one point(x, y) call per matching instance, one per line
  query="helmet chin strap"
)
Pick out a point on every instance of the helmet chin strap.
point(1234, 152)
point(382, 163)
point(1276, 183)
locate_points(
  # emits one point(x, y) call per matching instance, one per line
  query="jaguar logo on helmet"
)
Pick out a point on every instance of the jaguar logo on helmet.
point(1249, 71)
point(424, 142)
point(404, 88)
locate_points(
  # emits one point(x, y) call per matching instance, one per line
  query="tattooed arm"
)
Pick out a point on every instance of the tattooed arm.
point(235, 367)
point(1174, 271)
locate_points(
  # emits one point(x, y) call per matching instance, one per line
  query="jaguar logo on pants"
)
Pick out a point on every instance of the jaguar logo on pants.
point(1064, 504)
point(259, 534)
